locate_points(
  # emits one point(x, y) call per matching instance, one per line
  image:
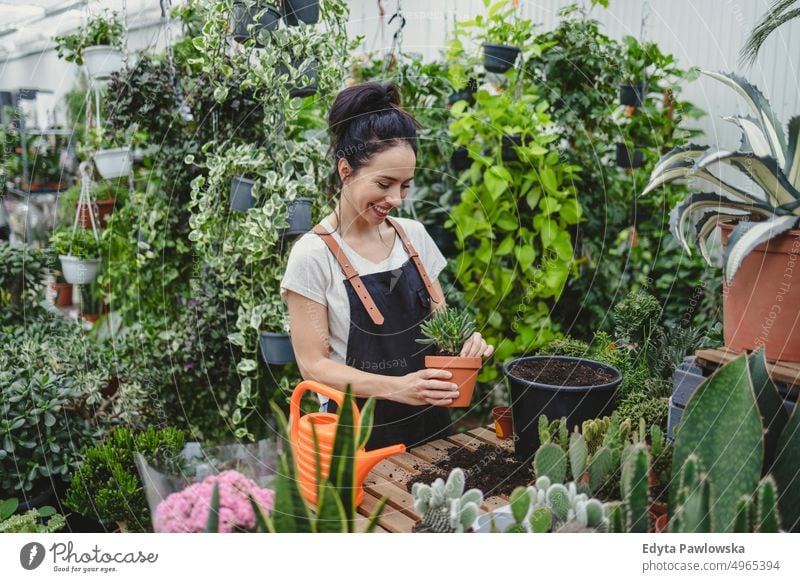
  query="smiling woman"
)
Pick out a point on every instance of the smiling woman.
point(360, 285)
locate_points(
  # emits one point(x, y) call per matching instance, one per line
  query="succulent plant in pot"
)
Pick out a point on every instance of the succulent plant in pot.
point(759, 225)
point(447, 330)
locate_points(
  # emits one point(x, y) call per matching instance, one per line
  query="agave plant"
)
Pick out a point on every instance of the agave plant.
point(781, 12)
point(763, 157)
point(448, 329)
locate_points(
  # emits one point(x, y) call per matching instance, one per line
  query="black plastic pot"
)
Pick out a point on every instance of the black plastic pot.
point(311, 72)
point(242, 18)
point(299, 217)
point(460, 160)
point(296, 11)
point(508, 153)
point(444, 238)
point(242, 194)
point(632, 94)
point(624, 157)
point(276, 348)
point(498, 58)
point(529, 400)
point(466, 94)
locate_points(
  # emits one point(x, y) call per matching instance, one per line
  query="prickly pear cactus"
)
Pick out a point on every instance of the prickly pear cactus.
point(550, 461)
point(444, 507)
point(578, 455)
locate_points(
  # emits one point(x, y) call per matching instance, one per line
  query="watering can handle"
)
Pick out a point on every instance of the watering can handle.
point(294, 408)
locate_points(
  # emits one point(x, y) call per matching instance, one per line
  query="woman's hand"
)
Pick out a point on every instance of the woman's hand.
point(427, 386)
point(475, 347)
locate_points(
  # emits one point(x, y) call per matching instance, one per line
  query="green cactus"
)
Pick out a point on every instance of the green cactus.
point(541, 520)
point(563, 434)
point(635, 487)
point(557, 498)
point(444, 507)
point(578, 455)
point(551, 461)
point(545, 435)
point(692, 511)
point(590, 513)
point(600, 467)
point(616, 517)
point(766, 518)
point(520, 504)
point(744, 516)
point(657, 441)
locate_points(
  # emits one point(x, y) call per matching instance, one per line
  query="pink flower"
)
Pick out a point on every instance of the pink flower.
point(188, 510)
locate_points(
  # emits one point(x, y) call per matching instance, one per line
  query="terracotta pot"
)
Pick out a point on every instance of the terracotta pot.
point(661, 523)
point(762, 305)
point(90, 317)
point(503, 422)
point(465, 374)
point(63, 296)
point(104, 209)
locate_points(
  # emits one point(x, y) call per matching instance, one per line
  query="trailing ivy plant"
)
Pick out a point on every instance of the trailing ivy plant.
point(105, 29)
point(514, 216)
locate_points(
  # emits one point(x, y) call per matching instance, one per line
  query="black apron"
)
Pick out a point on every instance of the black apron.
point(390, 349)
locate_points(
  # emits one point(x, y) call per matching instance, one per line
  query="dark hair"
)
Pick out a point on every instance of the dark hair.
point(364, 120)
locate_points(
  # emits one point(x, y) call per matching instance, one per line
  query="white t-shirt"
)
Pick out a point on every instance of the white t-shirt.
point(312, 271)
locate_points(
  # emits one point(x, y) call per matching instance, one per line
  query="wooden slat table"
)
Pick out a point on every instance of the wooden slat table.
point(389, 478)
point(786, 373)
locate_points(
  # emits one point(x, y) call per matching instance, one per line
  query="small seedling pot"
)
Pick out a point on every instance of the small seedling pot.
point(276, 348)
point(241, 194)
point(113, 163)
point(503, 422)
point(465, 374)
point(63, 296)
point(79, 271)
point(297, 11)
point(460, 160)
point(498, 58)
point(101, 61)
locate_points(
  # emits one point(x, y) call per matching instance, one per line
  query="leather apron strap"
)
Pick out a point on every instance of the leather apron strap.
point(412, 252)
point(350, 274)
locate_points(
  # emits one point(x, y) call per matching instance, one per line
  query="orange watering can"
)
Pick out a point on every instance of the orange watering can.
point(324, 424)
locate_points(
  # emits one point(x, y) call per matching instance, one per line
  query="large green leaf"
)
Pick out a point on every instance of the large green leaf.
point(786, 471)
point(748, 235)
point(770, 405)
point(764, 171)
point(722, 427)
point(343, 461)
point(760, 107)
point(331, 516)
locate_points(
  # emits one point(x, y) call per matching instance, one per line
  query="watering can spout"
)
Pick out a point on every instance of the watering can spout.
point(367, 460)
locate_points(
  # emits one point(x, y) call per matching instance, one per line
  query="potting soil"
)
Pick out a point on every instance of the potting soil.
point(492, 469)
point(560, 373)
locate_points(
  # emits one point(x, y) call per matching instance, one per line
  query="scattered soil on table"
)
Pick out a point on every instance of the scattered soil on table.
point(492, 469)
point(560, 373)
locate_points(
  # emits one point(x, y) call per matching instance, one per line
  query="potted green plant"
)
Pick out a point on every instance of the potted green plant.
point(624, 158)
point(297, 11)
point(446, 331)
point(98, 45)
point(62, 289)
point(578, 389)
point(299, 217)
point(759, 228)
point(634, 86)
point(302, 75)
point(79, 252)
point(242, 198)
point(274, 339)
point(111, 152)
point(249, 18)
point(503, 37)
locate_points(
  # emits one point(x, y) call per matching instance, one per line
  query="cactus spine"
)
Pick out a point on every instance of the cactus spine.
point(444, 507)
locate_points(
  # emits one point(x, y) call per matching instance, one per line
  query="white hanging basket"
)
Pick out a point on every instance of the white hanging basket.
point(79, 271)
point(101, 61)
point(113, 163)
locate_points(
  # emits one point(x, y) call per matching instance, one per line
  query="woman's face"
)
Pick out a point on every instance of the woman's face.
point(380, 185)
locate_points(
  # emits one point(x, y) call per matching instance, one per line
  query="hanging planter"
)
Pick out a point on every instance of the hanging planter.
point(242, 198)
point(296, 11)
point(310, 72)
point(101, 61)
point(624, 157)
point(276, 348)
point(245, 25)
point(632, 94)
point(556, 386)
point(79, 271)
point(102, 210)
point(498, 58)
point(113, 163)
point(466, 94)
point(509, 154)
point(460, 159)
point(299, 217)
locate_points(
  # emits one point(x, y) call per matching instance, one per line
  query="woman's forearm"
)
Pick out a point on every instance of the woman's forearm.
point(337, 375)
